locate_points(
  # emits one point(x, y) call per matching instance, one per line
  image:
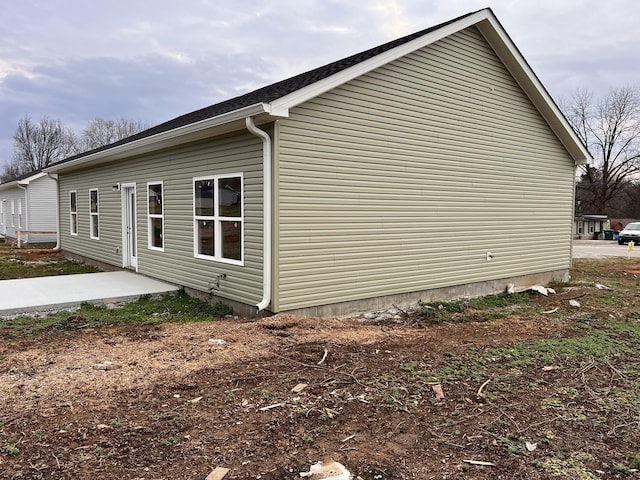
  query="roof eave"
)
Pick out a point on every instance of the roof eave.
point(218, 125)
point(283, 104)
point(23, 182)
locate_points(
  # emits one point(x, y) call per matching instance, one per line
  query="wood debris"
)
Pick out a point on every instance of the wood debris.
point(218, 473)
point(480, 462)
point(299, 388)
point(269, 407)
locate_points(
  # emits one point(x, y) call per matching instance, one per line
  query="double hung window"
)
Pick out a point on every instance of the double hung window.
point(218, 218)
point(94, 214)
point(155, 214)
point(73, 213)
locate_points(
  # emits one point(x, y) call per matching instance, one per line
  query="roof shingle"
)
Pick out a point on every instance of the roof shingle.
point(271, 92)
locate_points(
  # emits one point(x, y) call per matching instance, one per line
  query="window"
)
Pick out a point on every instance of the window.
point(94, 212)
point(1, 212)
point(218, 218)
point(73, 213)
point(13, 213)
point(19, 213)
point(155, 212)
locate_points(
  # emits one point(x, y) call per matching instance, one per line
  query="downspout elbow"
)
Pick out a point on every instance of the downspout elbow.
point(266, 217)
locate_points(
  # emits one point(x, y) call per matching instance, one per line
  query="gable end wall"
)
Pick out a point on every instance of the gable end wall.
point(402, 180)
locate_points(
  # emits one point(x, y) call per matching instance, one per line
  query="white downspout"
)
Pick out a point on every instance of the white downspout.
point(266, 215)
point(26, 212)
point(54, 176)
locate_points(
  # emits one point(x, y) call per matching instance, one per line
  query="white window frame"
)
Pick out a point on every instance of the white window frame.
point(73, 214)
point(151, 216)
point(217, 219)
point(94, 217)
point(20, 214)
point(13, 213)
point(1, 212)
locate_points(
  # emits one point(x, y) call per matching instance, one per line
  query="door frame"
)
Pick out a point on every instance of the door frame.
point(129, 260)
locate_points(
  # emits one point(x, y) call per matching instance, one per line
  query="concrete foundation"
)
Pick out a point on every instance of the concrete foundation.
point(456, 292)
point(344, 309)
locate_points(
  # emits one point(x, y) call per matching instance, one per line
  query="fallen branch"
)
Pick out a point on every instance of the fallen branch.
point(479, 394)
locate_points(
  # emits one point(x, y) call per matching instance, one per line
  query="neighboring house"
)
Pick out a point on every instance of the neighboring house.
point(590, 227)
point(29, 203)
point(433, 166)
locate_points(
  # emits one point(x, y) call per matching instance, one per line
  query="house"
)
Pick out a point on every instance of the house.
point(590, 227)
point(433, 166)
point(29, 204)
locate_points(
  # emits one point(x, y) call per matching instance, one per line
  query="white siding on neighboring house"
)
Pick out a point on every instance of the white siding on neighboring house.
point(43, 209)
point(405, 178)
point(12, 198)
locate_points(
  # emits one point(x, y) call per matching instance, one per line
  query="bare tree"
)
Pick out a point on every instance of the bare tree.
point(610, 128)
point(38, 145)
point(100, 131)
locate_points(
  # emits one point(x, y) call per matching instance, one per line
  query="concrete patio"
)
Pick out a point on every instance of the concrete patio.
point(67, 291)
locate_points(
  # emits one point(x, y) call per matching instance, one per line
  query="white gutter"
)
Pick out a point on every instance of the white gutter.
point(161, 140)
point(266, 215)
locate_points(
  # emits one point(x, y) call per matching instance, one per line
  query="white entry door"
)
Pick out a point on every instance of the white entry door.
point(129, 240)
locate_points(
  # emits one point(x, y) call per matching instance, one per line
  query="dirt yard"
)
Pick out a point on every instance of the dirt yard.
point(534, 392)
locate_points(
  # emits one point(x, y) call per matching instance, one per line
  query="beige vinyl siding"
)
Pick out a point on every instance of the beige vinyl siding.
point(176, 168)
point(403, 179)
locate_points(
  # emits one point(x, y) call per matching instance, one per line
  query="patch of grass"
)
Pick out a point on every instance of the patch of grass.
point(572, 467)
point(24, 263)
point(10, 448)
point(178, 308)
point(169, 441)
point(481, 309)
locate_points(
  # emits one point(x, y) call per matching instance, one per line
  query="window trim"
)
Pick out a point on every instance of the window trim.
point(73, 213)
point(20, 214)
point(151, 216)
point(94, 216)
point(13, 213)
point(217, 219)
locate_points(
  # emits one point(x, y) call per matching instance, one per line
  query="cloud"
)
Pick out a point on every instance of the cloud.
point(75, 60)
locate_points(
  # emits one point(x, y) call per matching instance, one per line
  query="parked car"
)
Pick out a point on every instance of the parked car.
point(630, 233)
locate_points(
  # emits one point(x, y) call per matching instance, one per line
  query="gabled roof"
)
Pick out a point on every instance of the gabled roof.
point(22, 179)
point(274, 101)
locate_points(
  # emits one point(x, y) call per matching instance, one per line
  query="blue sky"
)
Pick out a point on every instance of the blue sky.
point(75, 60)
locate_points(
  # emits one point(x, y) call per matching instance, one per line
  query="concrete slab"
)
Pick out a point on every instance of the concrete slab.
point(66, 291)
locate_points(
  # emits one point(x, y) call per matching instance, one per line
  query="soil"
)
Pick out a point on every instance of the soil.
point(169, 401)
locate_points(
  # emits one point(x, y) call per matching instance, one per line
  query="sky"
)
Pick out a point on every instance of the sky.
point(153, 60)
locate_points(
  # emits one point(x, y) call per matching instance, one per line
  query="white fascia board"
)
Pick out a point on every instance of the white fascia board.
point(282, 105)
point(28, 180)
point(166, 139)
point(23, 182)
point(8, 185)
point(529, 82)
